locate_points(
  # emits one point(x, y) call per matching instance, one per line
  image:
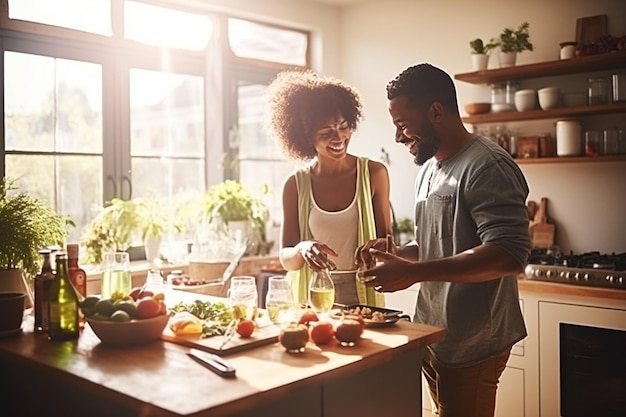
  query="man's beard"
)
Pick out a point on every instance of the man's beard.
point(428, 147)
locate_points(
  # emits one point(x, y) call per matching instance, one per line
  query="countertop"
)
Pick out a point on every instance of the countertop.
point(160, 379)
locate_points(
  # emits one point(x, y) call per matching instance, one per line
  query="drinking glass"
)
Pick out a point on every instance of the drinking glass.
point(321, 292)
point(279, 299)
point(243, 297)
point(115, 274)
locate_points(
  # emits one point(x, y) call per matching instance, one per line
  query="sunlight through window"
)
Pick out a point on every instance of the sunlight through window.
point(161, 26)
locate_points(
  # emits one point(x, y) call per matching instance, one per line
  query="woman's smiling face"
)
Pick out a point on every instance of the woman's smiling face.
point(332, 138)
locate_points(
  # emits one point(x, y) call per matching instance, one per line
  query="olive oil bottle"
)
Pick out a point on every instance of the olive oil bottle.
point(63, 304)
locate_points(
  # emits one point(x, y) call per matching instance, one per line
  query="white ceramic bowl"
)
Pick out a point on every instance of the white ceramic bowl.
point(549, 97)
point(525, 100)
point(129, 333)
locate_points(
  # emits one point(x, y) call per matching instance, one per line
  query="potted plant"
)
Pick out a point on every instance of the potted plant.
point(235, 205)
point(480, 53)
point(27, 224)
point(404, 228)
point(511, 42)
point(116, 226)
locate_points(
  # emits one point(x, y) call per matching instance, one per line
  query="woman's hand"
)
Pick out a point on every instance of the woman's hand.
point(316, 254)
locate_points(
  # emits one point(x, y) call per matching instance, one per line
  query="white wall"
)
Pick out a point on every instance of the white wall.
point(380, 39)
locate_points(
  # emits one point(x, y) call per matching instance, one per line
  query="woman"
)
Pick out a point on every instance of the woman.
point(337, 201)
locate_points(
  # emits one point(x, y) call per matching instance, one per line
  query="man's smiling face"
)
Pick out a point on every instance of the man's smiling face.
point(413, 129)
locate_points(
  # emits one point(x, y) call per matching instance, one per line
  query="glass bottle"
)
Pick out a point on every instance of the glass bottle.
point(321, 292)
point(154, 282)
point(42, 292)
point(63, 308)
point(77, 274)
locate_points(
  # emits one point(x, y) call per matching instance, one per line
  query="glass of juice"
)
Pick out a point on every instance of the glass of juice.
point(115, 274)
point(279, 299)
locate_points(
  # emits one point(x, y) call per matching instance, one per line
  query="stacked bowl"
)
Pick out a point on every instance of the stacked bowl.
point(549, 97)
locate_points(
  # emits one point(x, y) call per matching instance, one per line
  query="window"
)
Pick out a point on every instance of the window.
point(121, 98)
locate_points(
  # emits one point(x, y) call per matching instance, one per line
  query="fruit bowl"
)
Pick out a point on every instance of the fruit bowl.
point(129, 333)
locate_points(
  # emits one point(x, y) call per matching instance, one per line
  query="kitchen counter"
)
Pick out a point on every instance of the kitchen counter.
point(556, 288)
point(83, 377)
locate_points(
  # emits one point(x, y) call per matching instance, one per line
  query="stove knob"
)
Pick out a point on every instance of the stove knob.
point(564, 275)
point(588, 277)
point(549, 273)
point(578, 276)
point(537, 273)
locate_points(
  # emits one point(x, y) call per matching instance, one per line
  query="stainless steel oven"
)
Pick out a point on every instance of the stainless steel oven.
point(582, 360)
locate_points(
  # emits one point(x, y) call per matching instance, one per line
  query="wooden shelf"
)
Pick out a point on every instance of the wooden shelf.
point(590, 63)
point(562, 112)
point(570, 159)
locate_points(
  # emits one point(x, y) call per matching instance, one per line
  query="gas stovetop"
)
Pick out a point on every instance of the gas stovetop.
point(592, 269)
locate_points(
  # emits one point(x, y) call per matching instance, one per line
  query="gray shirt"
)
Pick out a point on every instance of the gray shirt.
point(477, 196)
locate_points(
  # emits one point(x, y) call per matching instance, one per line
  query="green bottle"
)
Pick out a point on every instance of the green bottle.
point(63, 306)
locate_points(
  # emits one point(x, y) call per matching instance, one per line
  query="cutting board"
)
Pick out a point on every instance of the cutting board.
point(542, 232)
point(261, 336)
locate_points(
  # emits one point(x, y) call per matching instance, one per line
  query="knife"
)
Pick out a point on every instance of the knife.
point(213, 362)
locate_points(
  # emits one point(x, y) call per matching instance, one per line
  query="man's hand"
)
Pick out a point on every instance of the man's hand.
point(391, 273)
point(363, 254)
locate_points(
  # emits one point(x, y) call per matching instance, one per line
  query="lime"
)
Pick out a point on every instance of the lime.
point(120, 315)
point(98, 316)
point(104, 307)
point(127, 306)
point(89, 301)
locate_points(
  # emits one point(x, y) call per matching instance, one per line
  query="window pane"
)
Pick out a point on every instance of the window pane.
point(28, 102)
point(254, 40)
point(75, 191)
point(52, 104)
point(164, 177)
point(87, 15)
point(161, 26)
point(167, 132)
point(254, 140)
point(167, 114)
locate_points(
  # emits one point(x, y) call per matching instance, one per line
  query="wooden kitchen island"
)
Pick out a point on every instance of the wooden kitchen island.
point(378, 377)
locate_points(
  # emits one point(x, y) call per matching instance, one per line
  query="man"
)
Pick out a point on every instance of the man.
point(471, 230)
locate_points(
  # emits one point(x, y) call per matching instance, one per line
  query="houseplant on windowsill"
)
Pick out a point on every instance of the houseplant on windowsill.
point(118, 225)
point(27, 224)
point(480, 54)
point(234, 204)
point(511, 42)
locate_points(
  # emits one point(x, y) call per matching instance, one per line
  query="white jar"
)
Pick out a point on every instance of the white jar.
point(569, 141)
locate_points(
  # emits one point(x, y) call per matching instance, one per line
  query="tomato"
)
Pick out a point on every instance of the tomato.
point(348, 330)
point(147, 308)
point(308, 316)
point(294, 337)
point(245, 328)
point(358, 318)
point(322, 333)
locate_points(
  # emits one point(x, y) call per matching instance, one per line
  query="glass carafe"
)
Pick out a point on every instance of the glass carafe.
point(321, 292)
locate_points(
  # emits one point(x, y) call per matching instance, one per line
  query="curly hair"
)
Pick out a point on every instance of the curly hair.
point(300, 102)
point(423, 84)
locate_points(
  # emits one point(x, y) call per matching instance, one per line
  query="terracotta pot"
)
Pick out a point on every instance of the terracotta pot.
point(12, 280)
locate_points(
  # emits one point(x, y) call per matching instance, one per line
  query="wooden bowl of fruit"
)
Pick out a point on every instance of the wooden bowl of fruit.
point(125, 321)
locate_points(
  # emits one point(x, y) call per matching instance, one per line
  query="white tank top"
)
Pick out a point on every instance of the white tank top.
point(337, 229)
